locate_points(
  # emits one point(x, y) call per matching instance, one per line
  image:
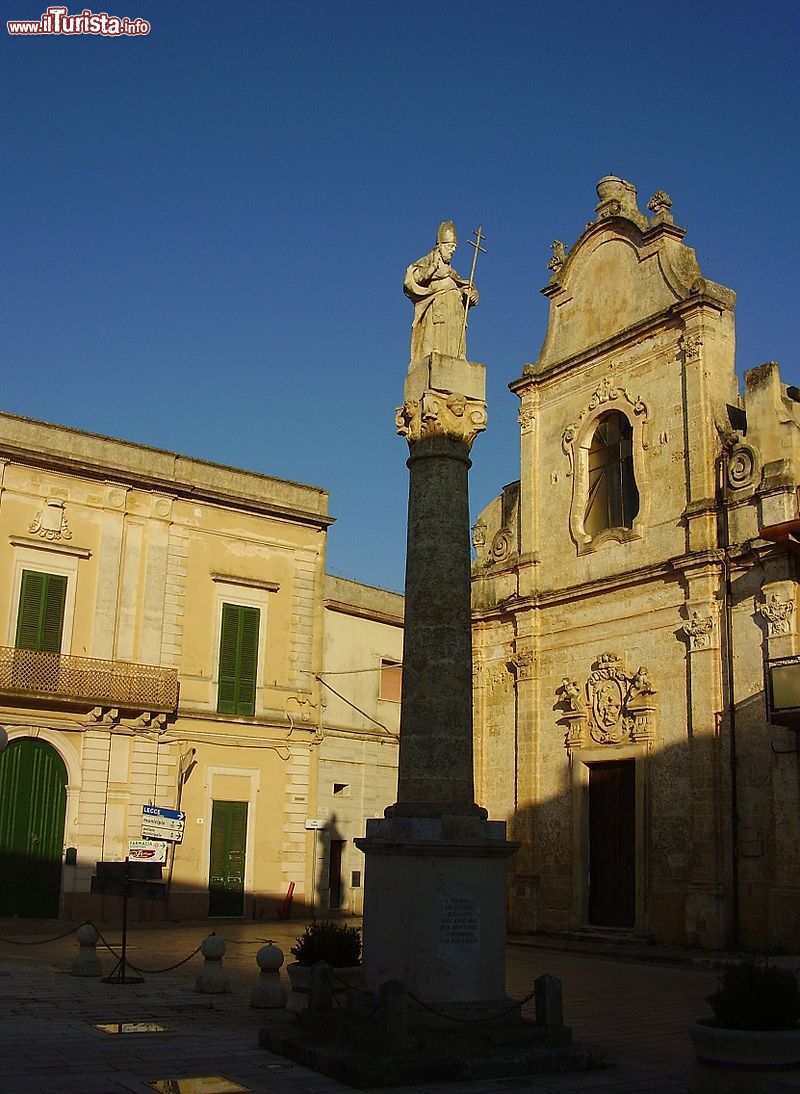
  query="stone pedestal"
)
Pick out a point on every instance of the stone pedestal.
point(435, 906)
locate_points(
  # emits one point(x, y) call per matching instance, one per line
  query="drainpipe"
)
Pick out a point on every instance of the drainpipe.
point(728, 676)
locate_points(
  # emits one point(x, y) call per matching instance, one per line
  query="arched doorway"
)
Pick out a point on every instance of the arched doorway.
point(33, 798)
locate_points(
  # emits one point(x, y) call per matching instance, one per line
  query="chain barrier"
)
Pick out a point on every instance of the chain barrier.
point(43, 941)
point(130, 964)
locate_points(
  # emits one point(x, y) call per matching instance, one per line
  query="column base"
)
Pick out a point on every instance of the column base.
point(435, 906)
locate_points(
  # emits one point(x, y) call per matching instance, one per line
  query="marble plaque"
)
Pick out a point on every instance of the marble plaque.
point(459, 929)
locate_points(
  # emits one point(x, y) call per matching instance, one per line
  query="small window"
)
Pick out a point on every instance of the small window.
point(613, 500)
point(355, 879)
point(238, 659)
point(391, 684)
point(40, 621)
point(341, 790)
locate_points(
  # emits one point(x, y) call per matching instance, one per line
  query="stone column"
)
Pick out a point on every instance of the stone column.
point(443, 412)
point(435, 876)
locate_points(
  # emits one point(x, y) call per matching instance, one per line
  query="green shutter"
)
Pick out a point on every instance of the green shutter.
point(238, 660)
point(41, 611)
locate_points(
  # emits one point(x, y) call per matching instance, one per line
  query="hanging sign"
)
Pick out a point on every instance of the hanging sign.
point(163, 824)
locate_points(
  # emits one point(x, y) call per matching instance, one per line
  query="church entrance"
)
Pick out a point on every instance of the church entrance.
point(612, 843)
point(33, 802)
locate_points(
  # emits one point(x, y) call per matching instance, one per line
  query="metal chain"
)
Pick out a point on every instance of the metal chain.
point(150, 972)
point(43, 941)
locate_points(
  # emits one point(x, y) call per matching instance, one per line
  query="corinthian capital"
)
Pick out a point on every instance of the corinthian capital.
point(439, 414)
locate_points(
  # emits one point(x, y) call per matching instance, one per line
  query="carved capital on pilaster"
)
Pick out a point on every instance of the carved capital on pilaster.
point(699, 631)
point(444, 415)
point(779, 615)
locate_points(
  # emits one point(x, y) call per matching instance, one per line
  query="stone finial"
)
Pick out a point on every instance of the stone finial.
point(558, 256)
point(660, 205)
point(618, 199)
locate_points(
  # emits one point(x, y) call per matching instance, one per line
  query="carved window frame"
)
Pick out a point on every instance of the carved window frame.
point(576, 442)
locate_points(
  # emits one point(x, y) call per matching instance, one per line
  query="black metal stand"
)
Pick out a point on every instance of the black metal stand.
point(120, 974)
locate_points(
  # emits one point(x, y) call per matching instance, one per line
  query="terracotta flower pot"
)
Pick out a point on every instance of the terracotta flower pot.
point(300, 980)
point(735, 1061)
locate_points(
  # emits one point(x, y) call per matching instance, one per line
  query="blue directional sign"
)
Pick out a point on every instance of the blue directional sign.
point(161, 823)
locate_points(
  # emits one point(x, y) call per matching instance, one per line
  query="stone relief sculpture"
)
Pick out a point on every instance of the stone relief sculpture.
point(615, 706)
point(440, 297)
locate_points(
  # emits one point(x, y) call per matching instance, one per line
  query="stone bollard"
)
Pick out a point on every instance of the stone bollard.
point(549, 1006)
point(320, 990)
point(393, 1009)
point(269, 992)
point(87, 963)
point(212, 980)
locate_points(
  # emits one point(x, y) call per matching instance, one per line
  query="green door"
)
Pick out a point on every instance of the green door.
point(226, 871)
point(33, 802)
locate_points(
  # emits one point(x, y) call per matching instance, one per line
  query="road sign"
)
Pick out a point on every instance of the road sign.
point(163, 824)
point(147, 850)
point(312, 824)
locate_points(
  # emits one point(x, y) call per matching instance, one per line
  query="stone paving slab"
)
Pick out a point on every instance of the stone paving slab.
point(635, 1010)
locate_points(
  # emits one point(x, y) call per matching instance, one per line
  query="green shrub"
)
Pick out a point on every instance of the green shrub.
point(756, 997)
point(325, 940)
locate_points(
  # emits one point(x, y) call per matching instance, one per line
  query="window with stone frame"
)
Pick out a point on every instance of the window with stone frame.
point(613, 497)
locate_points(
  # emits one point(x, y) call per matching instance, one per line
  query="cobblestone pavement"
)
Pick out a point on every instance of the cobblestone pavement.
point(634, 1009)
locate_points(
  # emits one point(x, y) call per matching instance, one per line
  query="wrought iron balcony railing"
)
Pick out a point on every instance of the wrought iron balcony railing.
point(88, 680)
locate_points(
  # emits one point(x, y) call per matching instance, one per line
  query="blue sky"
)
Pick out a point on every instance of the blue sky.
point(207, 228)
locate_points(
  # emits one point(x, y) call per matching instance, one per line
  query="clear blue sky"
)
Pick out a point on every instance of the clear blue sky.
point(207, 228)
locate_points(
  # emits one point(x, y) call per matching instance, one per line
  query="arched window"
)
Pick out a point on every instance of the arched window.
point(613, 498)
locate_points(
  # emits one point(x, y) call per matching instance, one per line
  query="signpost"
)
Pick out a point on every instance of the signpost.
point(163, 824)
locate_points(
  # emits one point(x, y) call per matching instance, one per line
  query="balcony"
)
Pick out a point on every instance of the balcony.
point(31, 674)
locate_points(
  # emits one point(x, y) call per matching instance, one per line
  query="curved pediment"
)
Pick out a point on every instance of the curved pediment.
point(622, 271)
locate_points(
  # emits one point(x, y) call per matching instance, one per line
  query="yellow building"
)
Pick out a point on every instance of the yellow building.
point(163, 649)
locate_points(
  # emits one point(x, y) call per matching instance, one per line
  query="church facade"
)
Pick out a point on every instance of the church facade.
point(629, 593)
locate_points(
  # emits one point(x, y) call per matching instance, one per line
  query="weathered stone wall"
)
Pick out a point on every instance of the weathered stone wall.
point(627, 634)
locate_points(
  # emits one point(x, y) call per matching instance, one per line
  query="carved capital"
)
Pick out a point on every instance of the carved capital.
point(778, 614)
point(524, 662)
point(699, 631)
point(690, 346)
point(443, 415)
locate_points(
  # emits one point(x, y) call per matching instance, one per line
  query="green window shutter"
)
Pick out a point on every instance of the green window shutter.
point(41, 611)
point(238, 660)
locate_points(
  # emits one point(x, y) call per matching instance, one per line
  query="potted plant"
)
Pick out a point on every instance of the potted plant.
point(338, 945)
point(754, 1031)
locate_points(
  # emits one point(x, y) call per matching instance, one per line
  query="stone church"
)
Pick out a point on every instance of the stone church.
point(631, 593)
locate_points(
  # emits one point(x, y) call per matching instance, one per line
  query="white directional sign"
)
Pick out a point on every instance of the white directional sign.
point(163, 824)
point(147, 850)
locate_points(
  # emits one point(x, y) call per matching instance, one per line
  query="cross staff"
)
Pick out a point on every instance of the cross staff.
point(476, 243)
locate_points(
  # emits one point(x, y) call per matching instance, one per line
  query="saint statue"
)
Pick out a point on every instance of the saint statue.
point(440, 297)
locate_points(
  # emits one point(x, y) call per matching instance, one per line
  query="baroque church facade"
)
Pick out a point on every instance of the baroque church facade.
point(630, 591)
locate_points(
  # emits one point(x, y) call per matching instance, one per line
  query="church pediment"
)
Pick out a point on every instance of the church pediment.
point(623, 270)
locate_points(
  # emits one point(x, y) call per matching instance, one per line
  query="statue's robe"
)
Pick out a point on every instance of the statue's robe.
point(435, 289)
